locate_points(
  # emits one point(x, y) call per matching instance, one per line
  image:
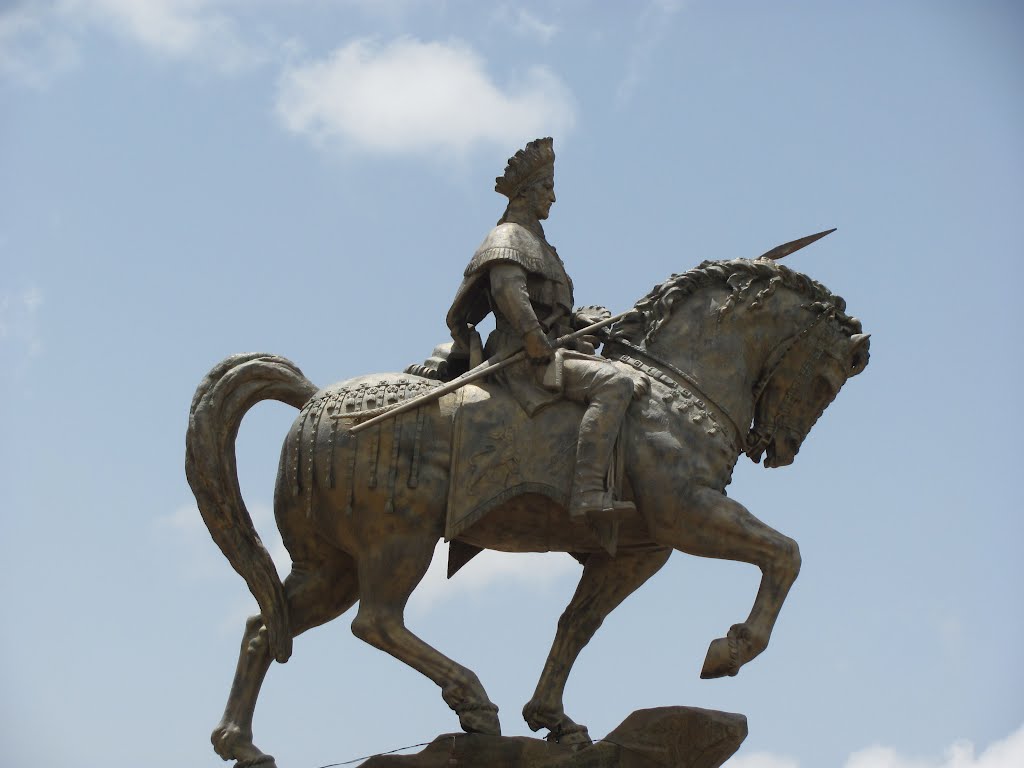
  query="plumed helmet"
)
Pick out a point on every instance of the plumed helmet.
point(534, 162)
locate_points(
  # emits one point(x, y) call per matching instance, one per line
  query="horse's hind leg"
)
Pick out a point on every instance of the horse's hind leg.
point(713, 525)
point(316, 594)
point(387, 576)
point(605, 583)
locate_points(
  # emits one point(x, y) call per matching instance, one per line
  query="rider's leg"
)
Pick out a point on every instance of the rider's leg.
point(607, 391)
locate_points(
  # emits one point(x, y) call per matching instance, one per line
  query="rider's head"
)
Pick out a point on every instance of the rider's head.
point(540, 195)
point(529, 179)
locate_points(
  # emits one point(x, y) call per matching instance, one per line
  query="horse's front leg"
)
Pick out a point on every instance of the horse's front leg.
point(709, 524)
point(605, 583)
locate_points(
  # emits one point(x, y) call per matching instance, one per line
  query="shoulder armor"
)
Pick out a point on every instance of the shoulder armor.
point(515, 244)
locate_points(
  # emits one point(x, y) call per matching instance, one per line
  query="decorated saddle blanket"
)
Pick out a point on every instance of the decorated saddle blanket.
point(499, 453)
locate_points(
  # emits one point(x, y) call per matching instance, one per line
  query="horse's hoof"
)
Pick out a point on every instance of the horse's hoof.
point(538, 717)
point(234, 743)
point(482, 718)
point(561, 729)
point(722, 659)
point(571, 735)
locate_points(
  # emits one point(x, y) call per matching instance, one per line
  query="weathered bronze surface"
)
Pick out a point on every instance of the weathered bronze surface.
point(617, 458)
point(518, 276)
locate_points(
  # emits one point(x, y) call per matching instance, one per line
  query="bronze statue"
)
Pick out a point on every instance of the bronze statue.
point(732, 357)
point(517, 275)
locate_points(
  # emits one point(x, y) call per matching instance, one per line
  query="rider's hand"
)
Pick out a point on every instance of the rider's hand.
point(585, 316)
point(537, 346)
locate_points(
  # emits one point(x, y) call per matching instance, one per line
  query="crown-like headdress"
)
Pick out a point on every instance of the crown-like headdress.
point(534, 162)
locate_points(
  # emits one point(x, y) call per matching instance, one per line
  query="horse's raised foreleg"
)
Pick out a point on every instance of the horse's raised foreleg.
point(713, 525)
point(387, 576)
point(605, 583)
point(316, 594)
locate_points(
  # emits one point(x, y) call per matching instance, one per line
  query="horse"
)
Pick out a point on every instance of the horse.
point(742, 357)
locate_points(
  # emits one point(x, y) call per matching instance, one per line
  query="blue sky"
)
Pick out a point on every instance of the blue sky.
point(185, 179)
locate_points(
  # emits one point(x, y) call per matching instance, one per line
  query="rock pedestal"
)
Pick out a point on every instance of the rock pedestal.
point(665, 737)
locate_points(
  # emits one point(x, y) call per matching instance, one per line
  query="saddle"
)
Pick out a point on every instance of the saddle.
point(503, 458)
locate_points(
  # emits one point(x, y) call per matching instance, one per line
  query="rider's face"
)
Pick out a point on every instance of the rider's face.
point(543, 196)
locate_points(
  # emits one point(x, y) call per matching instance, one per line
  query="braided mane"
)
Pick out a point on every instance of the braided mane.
point(740, 276)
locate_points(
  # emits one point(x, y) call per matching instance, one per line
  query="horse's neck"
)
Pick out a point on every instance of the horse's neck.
point(724, 355)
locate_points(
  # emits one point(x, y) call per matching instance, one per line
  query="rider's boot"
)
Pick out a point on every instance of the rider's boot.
point(600, 426)
point(602, 513)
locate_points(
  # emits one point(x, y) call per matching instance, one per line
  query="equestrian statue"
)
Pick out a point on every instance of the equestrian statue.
point(532, 441)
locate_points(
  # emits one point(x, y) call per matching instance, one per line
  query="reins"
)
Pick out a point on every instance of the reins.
point(784, 347)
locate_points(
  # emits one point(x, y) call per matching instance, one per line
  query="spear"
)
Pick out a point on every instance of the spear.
point(486, 368)
point(497, 362)
point(785, 249)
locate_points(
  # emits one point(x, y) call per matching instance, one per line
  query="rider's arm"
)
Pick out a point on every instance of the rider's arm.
point(512, 300)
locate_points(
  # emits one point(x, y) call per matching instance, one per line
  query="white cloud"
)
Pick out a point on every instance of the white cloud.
point(185, 519)
point(180, 29)
point(31, 299)
point(411, 96)
point(527, 24)
point(522, 22)
point(531, 570)
point(762, 760)
point(20, 341)
point(41, 40)
point(205, 559)
point(32, 50)
point(1006, 753)
point(652, 29)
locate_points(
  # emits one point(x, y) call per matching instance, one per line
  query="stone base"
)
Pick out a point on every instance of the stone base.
point(676, 737)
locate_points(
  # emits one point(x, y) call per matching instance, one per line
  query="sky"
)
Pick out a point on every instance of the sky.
point(181, 180)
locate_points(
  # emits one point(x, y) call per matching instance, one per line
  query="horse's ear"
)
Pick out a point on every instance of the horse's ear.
point(860, 344)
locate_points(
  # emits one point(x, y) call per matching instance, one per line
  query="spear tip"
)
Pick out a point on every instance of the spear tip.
point(785, 249)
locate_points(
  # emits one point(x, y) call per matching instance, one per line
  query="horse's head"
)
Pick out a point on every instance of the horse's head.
point(802, 377)
point(761, 342)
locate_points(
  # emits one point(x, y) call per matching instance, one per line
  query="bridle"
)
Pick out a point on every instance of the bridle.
point(752, 442)
point(761, 436)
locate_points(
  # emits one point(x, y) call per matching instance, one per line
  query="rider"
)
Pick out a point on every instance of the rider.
point(517, 275)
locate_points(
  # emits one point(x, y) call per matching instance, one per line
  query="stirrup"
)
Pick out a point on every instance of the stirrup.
point(603, 515)
point(599, 505)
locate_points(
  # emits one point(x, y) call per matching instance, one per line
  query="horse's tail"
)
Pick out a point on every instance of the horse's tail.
point(234, 386)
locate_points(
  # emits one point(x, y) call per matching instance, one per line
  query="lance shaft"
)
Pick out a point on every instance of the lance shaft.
point(486, 368)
